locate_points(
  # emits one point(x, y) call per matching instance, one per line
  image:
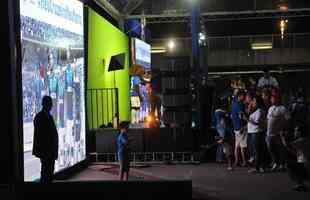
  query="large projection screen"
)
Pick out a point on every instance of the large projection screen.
point(52, 41)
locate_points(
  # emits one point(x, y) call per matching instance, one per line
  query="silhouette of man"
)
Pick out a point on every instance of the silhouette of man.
point(45, 141)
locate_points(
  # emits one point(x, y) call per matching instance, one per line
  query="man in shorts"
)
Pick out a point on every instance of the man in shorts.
point(237, 113)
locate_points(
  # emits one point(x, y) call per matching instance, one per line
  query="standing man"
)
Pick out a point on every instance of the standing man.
point(123, 151)
point(277, 125)
point(237, 115)
point(45, 140)
point(267, 81)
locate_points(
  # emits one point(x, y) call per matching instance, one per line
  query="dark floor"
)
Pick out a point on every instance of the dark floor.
point(210, 181)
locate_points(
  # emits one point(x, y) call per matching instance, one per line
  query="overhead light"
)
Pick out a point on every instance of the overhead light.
point(158, 49)
point(171, 45)
point(202, 36)
point(261, 45)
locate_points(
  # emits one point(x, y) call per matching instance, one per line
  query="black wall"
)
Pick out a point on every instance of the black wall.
point(5, 88)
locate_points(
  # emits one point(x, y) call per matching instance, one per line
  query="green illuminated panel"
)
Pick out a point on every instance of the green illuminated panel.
point(104, 41)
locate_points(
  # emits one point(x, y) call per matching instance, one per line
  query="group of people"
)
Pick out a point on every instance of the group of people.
point(256, 130)
point(40, 31)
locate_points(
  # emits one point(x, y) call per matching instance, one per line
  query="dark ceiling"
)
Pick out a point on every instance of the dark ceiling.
point(235, 26)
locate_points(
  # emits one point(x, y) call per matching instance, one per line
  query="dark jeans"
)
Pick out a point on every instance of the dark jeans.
point(276, 149)
point(252, 144)
point(261, 150)
point(47, 170)
point(297, 172)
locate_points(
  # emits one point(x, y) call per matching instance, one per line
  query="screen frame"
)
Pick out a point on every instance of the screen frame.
point(64, 173)
point(133, 52)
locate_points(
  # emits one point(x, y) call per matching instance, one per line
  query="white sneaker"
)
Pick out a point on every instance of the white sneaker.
point(229, 168)
point(274, 167)
point(253, 170)
point(251, 160)
point(261, 170)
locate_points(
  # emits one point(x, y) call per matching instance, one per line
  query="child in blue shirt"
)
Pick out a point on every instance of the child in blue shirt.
point(123, 151)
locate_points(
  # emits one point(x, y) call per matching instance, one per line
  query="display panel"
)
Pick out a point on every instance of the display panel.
point(141, 52)
point(140, 87)
point(52, 41)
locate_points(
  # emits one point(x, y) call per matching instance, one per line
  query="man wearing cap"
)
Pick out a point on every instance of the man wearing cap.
point(277, 121)
point(123, 151)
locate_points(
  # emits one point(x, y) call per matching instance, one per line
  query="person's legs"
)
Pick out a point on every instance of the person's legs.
point(243, 146)
point(219, 153)
point(237, 146)
point(236, 155)
point(259, 145)
point(298, 174)
point(121, 171)
point(228, 153)
point(126, 175)
point(243, 154)
point(272, 151)
point(47, 170)
point(251, 145)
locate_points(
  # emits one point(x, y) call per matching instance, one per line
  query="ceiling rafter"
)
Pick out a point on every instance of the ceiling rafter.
point(225, 16)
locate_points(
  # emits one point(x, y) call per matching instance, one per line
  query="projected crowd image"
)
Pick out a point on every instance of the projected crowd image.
point(53, 64)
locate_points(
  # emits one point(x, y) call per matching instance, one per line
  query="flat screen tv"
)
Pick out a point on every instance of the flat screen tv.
point(141, 53)
point(117, 62)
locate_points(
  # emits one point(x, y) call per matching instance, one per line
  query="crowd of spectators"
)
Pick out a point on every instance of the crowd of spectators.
point(256, 130)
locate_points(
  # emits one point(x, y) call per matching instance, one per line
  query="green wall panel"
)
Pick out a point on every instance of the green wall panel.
point(104, 41)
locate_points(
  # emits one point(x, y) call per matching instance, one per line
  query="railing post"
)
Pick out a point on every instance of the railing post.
point(116, 89)
point(91, 105)
point(97, 109)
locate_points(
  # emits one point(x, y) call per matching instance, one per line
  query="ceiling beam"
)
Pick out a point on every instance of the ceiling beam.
point(225, 16)
point(110, 9)
point(131, 6)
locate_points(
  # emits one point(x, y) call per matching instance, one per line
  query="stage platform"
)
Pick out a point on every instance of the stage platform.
point(209, 181)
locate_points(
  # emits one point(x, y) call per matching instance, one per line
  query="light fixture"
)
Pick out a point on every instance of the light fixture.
point(158, 49)
point(283, 27)
point(261, 45)
point(171, 45)
point(202, 38)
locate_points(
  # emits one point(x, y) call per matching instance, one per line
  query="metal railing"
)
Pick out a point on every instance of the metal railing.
point(148, 157)
point(291, 40)
point(102, 106)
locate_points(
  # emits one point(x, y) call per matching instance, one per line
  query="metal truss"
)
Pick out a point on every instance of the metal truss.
point(225, 16)
point(148, 157)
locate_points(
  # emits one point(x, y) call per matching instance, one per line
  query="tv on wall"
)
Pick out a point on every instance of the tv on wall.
point(141, 53)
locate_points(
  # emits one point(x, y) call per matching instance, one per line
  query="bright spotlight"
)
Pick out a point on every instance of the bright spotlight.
point(171, 45)
point(202, 36)
point(149, 119)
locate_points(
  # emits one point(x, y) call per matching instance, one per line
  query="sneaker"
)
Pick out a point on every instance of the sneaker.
point(274, 167)
point(300, 188)
point(253, 170)
point(261, 170)
point(243, 164)
point(281, 168)
point(251, 160)
point(230, 169)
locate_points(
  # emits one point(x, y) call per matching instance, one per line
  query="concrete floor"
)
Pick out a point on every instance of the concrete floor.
point(211, 181)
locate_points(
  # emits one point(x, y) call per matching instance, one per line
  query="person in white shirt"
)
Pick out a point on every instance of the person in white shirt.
point(267, 81)
point(256, 127)
point(277, 125)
